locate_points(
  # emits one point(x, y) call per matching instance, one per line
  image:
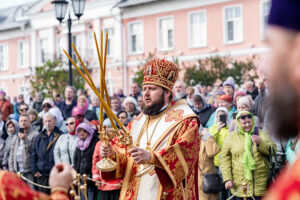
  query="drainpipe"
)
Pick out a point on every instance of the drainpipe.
point(123, 44)
point(124, 54)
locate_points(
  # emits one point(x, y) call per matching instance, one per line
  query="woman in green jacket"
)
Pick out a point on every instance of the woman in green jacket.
point(244, 158)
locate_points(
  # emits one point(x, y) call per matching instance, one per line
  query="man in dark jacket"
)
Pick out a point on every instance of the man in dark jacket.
point(42, 159)
point(202, 109)
point(69, 103)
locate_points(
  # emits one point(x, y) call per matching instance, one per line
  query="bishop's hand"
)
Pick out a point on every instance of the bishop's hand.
point(106, 151)
point(140, 155)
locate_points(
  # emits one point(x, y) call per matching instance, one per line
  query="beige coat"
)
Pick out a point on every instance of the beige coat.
point(208, 149)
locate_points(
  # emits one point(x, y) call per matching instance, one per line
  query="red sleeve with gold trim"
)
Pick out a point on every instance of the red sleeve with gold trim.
point(179, 160)
point(287, 185)
point(12, 187)
point(121, 159)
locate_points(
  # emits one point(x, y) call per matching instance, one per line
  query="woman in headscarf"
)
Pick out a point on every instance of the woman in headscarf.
point(131, 106)
point(83, 103)
point(12, 128)
point(47, 105)
point(243, 103)
point(65, 146)
point(244, 158)
point(219, 131)
point(83, 157)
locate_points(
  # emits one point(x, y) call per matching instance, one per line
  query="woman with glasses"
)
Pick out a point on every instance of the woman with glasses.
point(244, 103)
point(244, 158)
point(65, 146)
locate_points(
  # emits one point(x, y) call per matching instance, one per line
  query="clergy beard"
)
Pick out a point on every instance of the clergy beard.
point(155, 107)
point(284, 111)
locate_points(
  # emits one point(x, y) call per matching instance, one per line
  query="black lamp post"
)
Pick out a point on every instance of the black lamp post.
point(60, 7)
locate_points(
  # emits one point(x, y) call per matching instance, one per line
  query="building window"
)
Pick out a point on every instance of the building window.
point(110, 32)
point(59, 47)
point(76, 42)
point(23, 54)
point(265, 11)
point(233, 24)
point(91, 48)
point(166, 34)
point(136, 37)
point(44, 55)
point(3, 56)
point(197, 29)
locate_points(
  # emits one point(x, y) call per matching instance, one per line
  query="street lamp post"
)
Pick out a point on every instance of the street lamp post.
point(60, 12)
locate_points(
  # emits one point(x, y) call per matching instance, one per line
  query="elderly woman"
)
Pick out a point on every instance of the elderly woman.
point(208, 149)
point(47, 105)
point(83, 157)
point(244, 103)
point(131, 105)
point(12, 128)
point(244, 158)
point(65, 146)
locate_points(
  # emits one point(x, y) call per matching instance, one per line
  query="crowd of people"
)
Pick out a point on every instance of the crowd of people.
point(39, 134)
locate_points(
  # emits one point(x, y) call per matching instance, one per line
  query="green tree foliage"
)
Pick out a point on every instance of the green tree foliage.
point(53, 78)
point(208, 71)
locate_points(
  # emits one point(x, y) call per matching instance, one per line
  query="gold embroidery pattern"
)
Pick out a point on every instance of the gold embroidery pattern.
point(160, 72)
point(174, 115)
point(181, 159)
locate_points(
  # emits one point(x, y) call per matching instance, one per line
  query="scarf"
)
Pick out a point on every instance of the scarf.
point(247, 159)
point(84, 144)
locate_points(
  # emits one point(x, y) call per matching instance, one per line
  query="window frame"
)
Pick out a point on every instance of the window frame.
point(189, 29)
point(26, 65)
point(225, 40)
point(110, 38)
point(130, 52)
point(262, 27)
point(40, 51)
point(7, 57)
point(158, 33)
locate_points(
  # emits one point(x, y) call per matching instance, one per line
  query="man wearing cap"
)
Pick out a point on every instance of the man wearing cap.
point(283, 36)
point(6, 107)
point(165, 136)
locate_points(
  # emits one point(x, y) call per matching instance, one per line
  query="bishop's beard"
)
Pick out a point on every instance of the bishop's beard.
point(155, 107)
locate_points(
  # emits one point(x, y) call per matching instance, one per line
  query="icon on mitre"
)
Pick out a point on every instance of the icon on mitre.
point(171, 76)
point(149, 70)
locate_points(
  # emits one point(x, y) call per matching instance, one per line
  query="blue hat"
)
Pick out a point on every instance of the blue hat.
point(285, 13)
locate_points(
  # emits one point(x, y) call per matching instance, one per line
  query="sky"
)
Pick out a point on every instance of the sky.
point(9, 3)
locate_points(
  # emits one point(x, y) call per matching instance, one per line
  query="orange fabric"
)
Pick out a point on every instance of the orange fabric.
point(287, 185)
point(97, 175)
point(12, 187)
